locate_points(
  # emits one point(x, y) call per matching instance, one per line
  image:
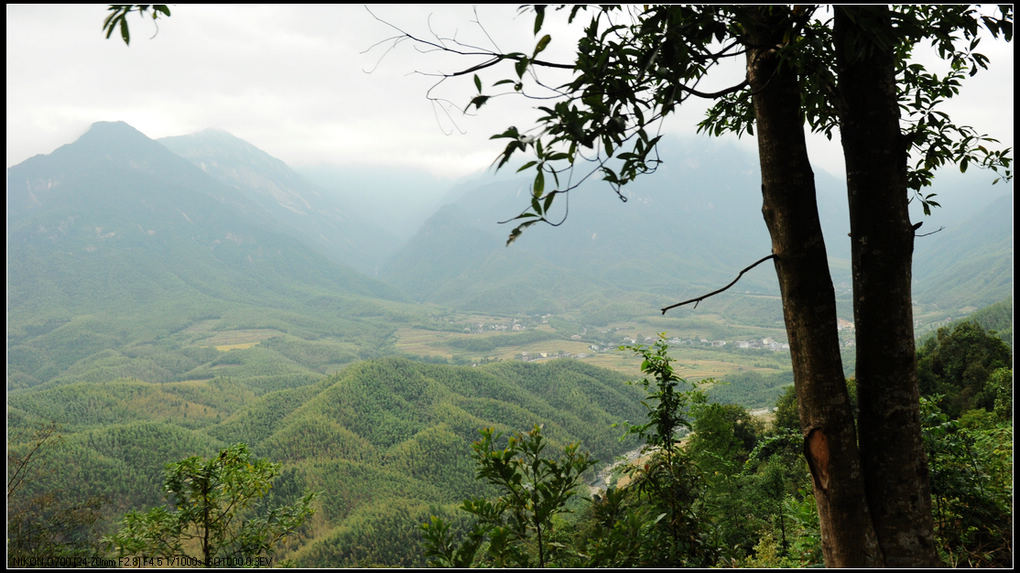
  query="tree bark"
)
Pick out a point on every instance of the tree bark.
point(809, 304)
point(882, 242)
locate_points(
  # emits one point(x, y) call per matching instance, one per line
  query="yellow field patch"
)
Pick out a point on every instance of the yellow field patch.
point(424, 342)
point(243, 345)
point(238, 339)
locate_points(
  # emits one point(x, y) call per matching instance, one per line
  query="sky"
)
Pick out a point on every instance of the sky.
point(315, 84)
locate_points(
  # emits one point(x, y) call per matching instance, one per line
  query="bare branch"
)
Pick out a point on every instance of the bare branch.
point(713, 293)
point(713, 95)
point(931, 233)
point(20, 465)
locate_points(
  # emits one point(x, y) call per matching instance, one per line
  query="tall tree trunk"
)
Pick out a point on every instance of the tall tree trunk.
point(809, 303)
point(882, 239)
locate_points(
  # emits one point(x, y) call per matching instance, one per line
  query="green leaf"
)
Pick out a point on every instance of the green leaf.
point(477, 101)
point(478, 83)
point(521, 66)
point(542, 44)
point(124, 33)
point(510, 132)
point(518, 230)
point(548, 202)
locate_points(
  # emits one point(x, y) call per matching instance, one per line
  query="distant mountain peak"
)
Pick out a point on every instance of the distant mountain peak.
point(116, 139)
point(111, 124)
point(112, 128)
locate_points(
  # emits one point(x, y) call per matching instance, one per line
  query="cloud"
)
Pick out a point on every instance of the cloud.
point(291, 79)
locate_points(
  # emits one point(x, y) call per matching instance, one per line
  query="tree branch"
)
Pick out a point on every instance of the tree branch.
point(495, 57)
point(931, 233)
point(713, 293)
point(713, 95)
point(20, 465)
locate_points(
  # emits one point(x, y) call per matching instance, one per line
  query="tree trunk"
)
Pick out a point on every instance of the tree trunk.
point(809, 303)
point(882, 239)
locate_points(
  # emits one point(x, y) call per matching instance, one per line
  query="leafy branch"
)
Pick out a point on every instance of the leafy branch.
point(628, 76)
point(117, 18)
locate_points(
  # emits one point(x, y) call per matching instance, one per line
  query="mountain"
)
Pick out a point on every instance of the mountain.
point(115, 239)
point(127, 259)
point(685, 230)
point(324, 221)
point(967, 264)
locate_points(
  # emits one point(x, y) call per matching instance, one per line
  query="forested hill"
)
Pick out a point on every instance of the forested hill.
point(386, 442)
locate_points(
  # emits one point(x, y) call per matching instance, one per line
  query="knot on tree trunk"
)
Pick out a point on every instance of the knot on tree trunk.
point(816, 450)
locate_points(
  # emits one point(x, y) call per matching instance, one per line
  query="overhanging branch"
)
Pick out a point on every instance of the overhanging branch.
point(715, 292)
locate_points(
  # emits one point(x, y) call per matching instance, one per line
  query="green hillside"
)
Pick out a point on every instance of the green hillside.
point(967, 265)
point(384, 440)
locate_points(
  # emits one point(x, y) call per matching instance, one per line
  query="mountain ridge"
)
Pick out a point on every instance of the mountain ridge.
point(115, 229)
point(286, 199)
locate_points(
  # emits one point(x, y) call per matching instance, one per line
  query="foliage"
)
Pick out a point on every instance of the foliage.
point(796, 544)
point(723, 437)
point(777, 490)
point(667, 405)
point(971, 461)
point(118, 18)
point(380, 535)
point(751, 388)
point(668, 482)
point(44, 529)
point(517, 529)
point(996, 318)
point(210, 503)
point(635, 66)
point(958, 364)
point(787, 418)
point(728, 493)
point(1000, 385)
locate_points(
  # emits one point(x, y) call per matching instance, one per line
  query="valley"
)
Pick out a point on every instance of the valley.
point(170, 298)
